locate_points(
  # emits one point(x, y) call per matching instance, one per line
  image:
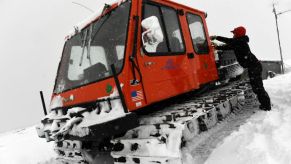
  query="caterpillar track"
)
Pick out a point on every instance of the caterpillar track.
point(161, 136)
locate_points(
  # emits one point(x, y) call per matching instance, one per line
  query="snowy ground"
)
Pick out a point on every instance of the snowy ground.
point(266, 137)
point(24, 147)
point(200, 148)
point(259, 138)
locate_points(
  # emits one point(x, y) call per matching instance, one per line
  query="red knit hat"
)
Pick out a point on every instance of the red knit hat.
point(239, 31)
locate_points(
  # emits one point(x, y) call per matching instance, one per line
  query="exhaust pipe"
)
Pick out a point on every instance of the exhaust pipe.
point(43, 103)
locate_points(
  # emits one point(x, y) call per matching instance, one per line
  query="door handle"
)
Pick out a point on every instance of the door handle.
point(190, 55)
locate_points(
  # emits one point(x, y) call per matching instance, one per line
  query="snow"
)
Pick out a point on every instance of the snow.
point(24, 147)
point(78, 125)
point(93, 118)
point(153, 34)
point(56, 102)
point(105, 115)
point(287, 66)
point(69, 124)
point(266, 137)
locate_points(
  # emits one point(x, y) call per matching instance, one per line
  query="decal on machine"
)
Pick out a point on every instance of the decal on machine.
point(108, 88)
point(136, 95)
point(170, 65)
point(205, 65)
point(71, 98)
point(138, 104)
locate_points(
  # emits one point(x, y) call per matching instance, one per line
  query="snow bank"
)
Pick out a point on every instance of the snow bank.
point(24, 147)
point(287, 66)
point(266, 137)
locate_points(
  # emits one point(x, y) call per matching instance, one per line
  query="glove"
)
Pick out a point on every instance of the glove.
point(213, 37)
point(214, 45)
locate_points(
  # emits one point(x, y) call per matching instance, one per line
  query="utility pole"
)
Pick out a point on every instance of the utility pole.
point(278, 34)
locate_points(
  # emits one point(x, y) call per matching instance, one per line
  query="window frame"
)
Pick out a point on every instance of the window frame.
point(163, 26)
point(123, 65)
point(204, 30)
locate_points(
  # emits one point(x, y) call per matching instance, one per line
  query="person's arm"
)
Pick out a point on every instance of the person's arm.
point(224, 47)
point(224, 39)
point(228, 42)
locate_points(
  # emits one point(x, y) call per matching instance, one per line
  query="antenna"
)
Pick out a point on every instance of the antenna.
point(79, 4)
point(278, 34)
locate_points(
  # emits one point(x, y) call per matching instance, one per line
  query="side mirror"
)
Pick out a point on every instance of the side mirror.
point(153, 33)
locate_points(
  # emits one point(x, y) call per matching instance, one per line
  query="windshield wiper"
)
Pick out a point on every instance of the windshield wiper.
point(89, 44)
point(87, 39)
point(84, 38)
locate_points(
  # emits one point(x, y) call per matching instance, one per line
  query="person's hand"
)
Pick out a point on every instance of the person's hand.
point(213, 37)
point(214, 45)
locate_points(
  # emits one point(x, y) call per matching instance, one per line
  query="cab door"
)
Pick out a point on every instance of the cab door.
point(201, 47)
point(162, 59)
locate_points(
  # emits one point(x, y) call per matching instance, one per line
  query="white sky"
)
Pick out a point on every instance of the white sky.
point(32, 35)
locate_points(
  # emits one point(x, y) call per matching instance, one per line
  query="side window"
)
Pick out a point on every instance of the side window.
point(173, 30)
point(172, 41)
point(198, 35)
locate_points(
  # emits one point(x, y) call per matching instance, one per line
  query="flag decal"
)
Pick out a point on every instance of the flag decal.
point(136, 95)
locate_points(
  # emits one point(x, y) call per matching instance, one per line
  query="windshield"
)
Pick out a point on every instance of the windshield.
point(87, 56)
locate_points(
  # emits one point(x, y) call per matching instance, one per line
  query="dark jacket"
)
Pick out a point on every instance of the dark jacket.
point(241, 49)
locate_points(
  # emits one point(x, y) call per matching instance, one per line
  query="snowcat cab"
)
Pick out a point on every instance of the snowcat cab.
point(136, 53)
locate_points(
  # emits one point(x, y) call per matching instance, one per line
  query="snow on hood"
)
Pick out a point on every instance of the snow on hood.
point(56, 102)
point(106, 114)
point(93, 118)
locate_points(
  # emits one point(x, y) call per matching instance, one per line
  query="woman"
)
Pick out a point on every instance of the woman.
point(239, 44)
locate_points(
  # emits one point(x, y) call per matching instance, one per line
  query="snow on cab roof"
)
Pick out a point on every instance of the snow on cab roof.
point(98, 13)
point(90, 19)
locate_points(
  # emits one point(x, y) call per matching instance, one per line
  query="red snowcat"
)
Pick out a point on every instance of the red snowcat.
point(121, 63)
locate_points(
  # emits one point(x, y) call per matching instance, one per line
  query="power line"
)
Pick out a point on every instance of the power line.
point(76, 3)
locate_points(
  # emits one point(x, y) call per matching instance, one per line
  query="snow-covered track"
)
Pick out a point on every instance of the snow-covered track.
point(201, 147)
point(162, 135)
